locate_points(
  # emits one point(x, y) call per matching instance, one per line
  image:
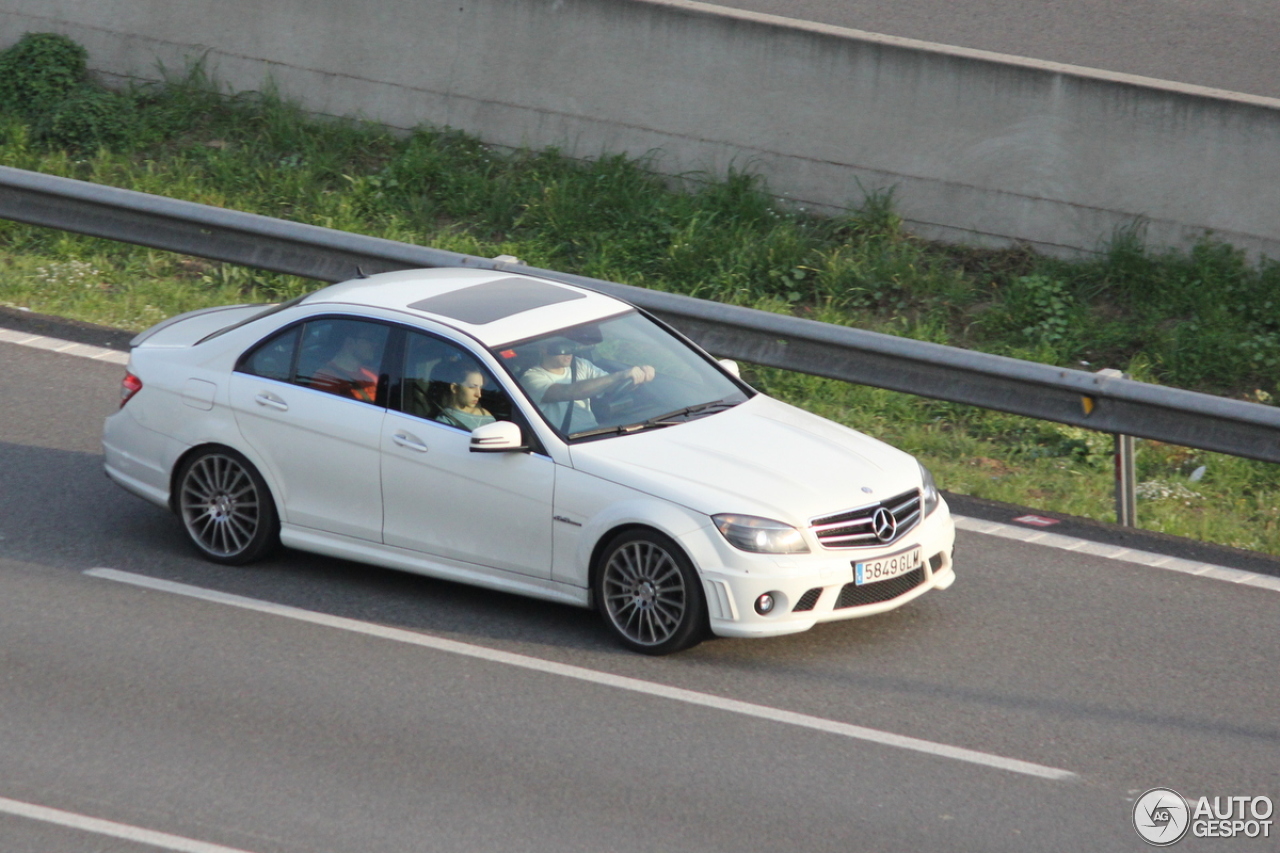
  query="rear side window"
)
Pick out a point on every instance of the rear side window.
point(273, 359)
point(336, 355)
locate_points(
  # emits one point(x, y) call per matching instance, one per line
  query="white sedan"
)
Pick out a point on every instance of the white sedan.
point(527, 436)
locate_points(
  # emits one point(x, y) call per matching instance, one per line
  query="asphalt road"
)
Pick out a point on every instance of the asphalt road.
point(290, 730)
point(1223, 44)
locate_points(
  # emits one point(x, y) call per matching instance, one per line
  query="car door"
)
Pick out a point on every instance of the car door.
point(439, 498)
point(310, 401)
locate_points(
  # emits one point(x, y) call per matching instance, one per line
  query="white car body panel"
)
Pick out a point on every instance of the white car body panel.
point(185, 329)
point(139, 459)
point(324, 451)
point(589, 508)
point(761, 458)
point(403, 559)
point(472, 495)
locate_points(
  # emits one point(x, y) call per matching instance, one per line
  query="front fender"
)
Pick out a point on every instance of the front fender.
point(588, 510)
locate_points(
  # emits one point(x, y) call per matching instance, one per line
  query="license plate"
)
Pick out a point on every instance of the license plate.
point(883, 568)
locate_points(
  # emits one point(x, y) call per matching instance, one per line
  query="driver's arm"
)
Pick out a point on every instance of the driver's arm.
point(597, 384)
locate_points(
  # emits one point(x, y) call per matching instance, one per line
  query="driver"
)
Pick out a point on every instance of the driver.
point(562, 384)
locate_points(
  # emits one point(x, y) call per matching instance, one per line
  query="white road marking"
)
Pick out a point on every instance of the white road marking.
point(650, 688)
point(1117, 552)
point(162, 840)
point(26, 339)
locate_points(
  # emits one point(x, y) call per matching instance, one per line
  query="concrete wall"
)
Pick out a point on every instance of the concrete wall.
point(979, 147)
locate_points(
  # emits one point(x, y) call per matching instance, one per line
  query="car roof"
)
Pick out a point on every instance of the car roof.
point(492, 306)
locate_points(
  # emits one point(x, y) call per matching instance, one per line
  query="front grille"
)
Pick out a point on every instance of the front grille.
point(852, 595)
point(855, 528)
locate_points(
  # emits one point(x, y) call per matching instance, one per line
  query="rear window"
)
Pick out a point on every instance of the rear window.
point(267, 311)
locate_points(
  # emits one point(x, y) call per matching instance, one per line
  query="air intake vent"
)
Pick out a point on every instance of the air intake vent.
point(852, 595)
point(808, 600)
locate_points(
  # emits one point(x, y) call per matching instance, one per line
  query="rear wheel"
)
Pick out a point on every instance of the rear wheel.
point(225, 507)
point(649, 593)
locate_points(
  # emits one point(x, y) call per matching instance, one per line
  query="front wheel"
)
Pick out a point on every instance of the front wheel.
point(649, 593)
point(225, 507)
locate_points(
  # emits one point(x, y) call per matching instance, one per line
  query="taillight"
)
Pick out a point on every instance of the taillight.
point(129, 386)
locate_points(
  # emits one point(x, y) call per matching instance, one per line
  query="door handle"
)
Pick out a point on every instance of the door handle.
point(410, 441)
point(265, 399)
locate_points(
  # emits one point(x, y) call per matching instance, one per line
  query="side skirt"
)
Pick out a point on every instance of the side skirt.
point(362, 551)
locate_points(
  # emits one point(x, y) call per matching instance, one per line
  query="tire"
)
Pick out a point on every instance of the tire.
point(226, 508)
point(649, 593)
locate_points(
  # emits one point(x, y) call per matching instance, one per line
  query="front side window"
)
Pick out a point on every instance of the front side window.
point(445, 383)
point(617, 376)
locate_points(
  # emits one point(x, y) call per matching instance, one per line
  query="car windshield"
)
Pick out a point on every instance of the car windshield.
point(618, 376)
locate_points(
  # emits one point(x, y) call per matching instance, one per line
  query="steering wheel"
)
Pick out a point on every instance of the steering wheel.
point(615, 396)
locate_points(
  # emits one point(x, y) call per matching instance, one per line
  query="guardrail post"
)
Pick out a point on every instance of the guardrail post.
point(1126, 478)
point(1126, 473)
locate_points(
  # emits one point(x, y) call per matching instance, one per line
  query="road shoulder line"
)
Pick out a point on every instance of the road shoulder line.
point(26, 339)
point(1116, 552)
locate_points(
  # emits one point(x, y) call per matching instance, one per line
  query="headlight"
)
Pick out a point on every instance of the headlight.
point(761, 535)
point(928, 492)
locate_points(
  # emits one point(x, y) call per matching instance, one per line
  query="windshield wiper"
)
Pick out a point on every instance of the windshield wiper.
point(689, 411)
point(622, 429)
point(678, 416)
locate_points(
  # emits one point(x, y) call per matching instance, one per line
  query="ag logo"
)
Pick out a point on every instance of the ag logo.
point(1161, 817)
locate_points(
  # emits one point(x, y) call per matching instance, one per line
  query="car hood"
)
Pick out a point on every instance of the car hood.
point(762, 457)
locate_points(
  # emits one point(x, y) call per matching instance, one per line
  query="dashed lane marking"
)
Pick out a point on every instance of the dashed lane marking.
point(162, 840)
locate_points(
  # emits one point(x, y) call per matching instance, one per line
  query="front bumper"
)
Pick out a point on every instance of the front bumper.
point(819, 587)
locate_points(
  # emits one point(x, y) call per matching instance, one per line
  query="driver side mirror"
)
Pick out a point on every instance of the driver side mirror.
point(731, 366)
point(498, 437)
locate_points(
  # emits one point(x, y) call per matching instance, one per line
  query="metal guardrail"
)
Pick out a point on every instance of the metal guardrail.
point(1102, 403)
